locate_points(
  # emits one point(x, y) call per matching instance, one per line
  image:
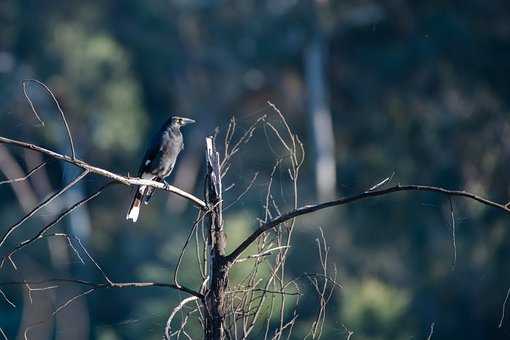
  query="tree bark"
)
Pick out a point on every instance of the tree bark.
point(218, 265)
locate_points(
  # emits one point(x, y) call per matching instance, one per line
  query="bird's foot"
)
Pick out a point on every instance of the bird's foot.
point(167, 185)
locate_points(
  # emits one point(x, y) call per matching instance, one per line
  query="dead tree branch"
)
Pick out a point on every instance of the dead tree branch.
point(126, 180)
point(45, 229)
point(17, 179)
point(25, 177)
point(215, 303)
point(168, 328)
point(104, 285)
point(307, 209)
point(41, 205)
point(44, 86)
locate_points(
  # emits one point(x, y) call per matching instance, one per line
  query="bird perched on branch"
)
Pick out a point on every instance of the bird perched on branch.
point(159, 161)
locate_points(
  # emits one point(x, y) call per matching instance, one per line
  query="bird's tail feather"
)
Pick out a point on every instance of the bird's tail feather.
point(150, 191)
point(148, 195)
point(134, 209)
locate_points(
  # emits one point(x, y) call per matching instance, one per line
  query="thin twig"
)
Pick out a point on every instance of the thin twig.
point(168, 327)
point(261, 254)
point(383, 182)
point(69, 136)
point(24, 178)
point(13, 227)
point(454, 243)
point(183, 249)
point(503, 309)
point(3, 334)
point(348, 332)
point(105, 276)
point(56, 311)
point(7, 299)
point(55, 221)
point(199, 219)
point(243, 193)
point(431, 332)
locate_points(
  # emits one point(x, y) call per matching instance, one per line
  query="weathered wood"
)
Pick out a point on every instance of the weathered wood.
point(218, 266)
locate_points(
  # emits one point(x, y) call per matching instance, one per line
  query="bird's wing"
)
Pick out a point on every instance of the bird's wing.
point(150, 154)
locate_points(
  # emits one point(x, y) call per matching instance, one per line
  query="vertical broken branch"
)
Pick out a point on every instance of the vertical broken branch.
point(218, 266)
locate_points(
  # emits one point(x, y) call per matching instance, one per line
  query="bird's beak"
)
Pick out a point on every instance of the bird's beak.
point(186, 121)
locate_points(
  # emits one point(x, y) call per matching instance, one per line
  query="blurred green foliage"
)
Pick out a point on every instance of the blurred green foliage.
point(375, 308)
point(419, 88)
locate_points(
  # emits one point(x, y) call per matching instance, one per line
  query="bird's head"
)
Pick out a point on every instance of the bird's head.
point(181, 121)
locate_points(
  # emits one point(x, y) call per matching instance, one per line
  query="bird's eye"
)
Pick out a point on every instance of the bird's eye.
point(179, 121)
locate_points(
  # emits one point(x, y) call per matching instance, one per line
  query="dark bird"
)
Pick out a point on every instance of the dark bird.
point(159, 161)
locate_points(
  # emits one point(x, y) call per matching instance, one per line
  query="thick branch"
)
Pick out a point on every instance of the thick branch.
point(105, 173)
point(345, 200)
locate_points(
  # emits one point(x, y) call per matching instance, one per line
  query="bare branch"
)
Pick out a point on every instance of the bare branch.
point(264, 291)
point(69, 136)
point(41, 232)
point(454, 243)
point(267, 252)
point(383, 182)
point(503, 309)
point(108, 282)
point(126, 180)
point(241, 195)
point(431, 332)
point(56, 311)
point(24, 178)
point(105, 276)
point(200, 218)
point(105, 285)
point(284, 121)
point(168, 328)
point(245, 138)
point(3, 334)
point(4, 296)
point(13, 227)
point(324, 291)
point(349, 199)
point(348, 332)
point(22, 189)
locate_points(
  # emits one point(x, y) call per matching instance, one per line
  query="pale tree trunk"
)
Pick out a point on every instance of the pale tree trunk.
point(321, 123)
